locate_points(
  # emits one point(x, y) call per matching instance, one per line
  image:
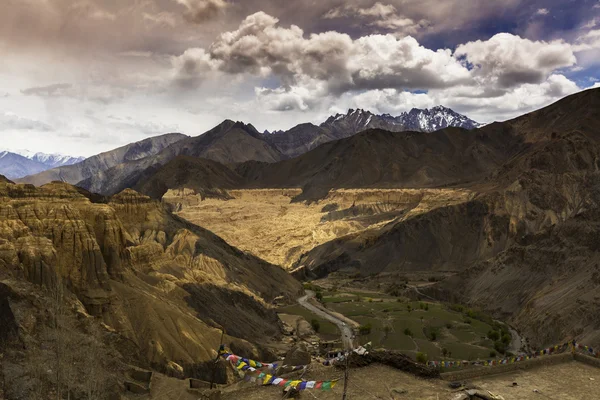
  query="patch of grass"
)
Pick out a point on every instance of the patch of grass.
point(325, 327)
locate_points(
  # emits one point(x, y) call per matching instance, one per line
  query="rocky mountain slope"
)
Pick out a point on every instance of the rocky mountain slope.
point(159, 285)
point(382, 159)
point(228, 143)
point(525, 247)
point(101, 162)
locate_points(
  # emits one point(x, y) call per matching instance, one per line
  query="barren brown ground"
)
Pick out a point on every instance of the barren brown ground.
point(569, 381)
point(266, 223)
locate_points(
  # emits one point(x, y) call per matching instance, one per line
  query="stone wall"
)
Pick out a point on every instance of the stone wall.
point(478, 372)
point(594, 362)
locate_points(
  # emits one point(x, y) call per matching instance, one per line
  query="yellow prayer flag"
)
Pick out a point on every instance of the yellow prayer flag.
point(267, 379)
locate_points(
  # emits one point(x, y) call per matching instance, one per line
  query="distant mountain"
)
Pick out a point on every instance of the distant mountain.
point(101, 162)
point(50, 160)
point(228, 143)
point(306, 137)
point(15, 166)
point(56, 160)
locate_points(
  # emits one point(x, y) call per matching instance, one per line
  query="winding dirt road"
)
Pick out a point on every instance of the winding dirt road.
point(346, 331)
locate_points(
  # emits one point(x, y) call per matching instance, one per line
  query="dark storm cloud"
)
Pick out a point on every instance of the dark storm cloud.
point(199, 11)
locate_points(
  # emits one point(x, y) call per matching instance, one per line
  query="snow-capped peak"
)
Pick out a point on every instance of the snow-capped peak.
point(422, 120)
point(49, 160)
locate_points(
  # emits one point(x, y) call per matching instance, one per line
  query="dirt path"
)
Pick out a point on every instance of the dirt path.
point(346, 331)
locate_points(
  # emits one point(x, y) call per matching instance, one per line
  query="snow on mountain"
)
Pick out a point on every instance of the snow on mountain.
point(56, 160)
point(15, 164)
point(436, 118)
point(49, 160)
point(420, 120)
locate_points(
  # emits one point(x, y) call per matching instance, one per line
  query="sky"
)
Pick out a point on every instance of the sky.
point(80, 77)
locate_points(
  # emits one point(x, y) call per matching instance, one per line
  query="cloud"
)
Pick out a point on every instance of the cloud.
point(192, 68)
point(161, 18)
point(148, 128)
point(542, 11)
point(506, 60)
point(57, 89)
point(311, 68)
point(378, 15)
point(262, 48)
point(198, 11)
point(588, 41)
point(11, 121)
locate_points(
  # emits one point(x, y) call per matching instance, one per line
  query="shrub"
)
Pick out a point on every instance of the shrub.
point(370, 300)
point(421, 357)
point(408, 308)
point(426, 307)
point(506, 338)
point(449, 325)
point(315, 325)
point(468, 320)
point(500, 347)
point(319, 296)
point(422, 306)
point(408, 332)
point(433, 334)
point(399, 300)
point(492, 354)
point(365, 329)
point(493, 335)
point(444, 352)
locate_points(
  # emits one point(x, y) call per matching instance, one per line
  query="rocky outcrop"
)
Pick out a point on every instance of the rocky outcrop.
point(164, 286)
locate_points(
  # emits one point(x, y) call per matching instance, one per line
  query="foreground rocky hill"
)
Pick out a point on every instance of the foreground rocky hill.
point(161, 287)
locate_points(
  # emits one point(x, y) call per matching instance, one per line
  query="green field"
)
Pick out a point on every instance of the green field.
point(463, 337)
point(327, 329)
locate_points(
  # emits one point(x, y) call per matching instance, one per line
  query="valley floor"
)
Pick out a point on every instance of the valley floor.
point(295, 228)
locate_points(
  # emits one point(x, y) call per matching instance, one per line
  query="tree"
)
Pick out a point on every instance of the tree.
point(316, 325)
point(319, 296)
point(506, 339)
point(408, 332)
point(493, 335)
point(422, 357)
point(444, 352)
point(365, 329)
point(408, 308)
point(500, 347)
point(492, 354)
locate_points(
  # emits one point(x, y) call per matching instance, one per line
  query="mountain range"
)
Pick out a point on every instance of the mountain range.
point(236, 142)
point(20, 163)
